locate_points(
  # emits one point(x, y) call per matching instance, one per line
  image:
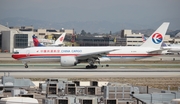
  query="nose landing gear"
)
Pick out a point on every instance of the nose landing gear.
point(25, 64)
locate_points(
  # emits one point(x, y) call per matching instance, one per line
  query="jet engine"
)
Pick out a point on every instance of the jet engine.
point(68, 61)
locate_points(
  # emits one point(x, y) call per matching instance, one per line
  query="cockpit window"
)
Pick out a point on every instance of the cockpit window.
point(16, 52)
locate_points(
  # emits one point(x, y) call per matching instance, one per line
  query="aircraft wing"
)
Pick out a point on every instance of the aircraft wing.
point(94, 55)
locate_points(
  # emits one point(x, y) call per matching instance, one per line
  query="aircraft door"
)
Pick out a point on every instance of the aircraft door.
point(27, 53)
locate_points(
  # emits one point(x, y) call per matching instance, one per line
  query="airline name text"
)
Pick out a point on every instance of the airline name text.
point(59, 51)
point(73, 51)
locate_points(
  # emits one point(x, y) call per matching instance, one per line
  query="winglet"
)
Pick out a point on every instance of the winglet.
point(156, 39)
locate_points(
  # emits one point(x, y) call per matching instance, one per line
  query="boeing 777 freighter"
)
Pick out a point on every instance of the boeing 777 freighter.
point(71, 56)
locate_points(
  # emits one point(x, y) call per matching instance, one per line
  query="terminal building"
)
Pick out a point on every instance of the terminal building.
point(12, 38)
point(94, 41)
point(131, 39)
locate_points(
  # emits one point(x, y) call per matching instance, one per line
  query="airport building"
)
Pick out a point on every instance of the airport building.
point(131, 39)
point(177, 38)
point(64, 91)
point(95, 41)
point(12, 38)
point(49, 33)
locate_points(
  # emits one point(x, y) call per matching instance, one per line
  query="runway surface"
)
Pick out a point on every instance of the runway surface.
point(82, 66)
point(90, 73)
point(166, 69)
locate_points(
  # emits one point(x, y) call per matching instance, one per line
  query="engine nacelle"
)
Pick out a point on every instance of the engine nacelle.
point(68, 61)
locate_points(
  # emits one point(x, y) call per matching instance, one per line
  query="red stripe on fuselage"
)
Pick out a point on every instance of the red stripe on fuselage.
point(133, 54)
point(19, 56)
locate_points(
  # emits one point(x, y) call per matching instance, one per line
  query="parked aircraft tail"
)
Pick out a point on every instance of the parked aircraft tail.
point(36, 41)
point(144, 38)
point(60, 40)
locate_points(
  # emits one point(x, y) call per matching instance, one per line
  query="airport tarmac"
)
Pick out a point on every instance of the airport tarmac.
point(156, 68)
point(90, 73)
point(154, 74)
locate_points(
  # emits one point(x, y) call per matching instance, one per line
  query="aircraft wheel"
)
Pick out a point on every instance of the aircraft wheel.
point(87, 67)
point(107, 65)
point(26, 66)
point(95, 66)
point(91, 67)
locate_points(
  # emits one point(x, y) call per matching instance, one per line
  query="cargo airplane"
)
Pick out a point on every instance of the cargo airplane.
point(58, 42)
point(71, 56)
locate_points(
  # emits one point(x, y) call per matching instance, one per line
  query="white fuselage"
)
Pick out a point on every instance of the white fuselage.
point(55, 53)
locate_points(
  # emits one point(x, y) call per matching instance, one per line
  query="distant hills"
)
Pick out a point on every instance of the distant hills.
point(173, 33)
point(88, 26)
point(148, 32)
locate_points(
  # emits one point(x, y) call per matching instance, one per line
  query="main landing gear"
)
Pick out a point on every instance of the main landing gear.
point(91, 64)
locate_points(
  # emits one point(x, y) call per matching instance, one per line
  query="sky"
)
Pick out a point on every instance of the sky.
point(146, 12)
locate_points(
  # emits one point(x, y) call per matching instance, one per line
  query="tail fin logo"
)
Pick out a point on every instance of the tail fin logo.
point(35, 41)
point(61, 39)
point(157, 38)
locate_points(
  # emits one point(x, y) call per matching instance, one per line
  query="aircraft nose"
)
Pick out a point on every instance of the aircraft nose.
point(15, 56)
point(19, 56)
